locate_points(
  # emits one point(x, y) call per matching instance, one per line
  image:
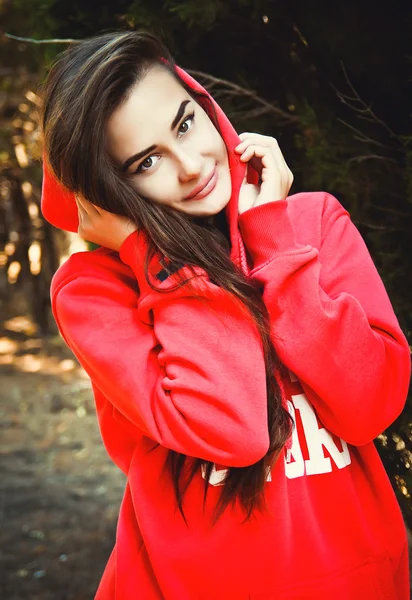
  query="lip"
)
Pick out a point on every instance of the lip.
point(204, 188)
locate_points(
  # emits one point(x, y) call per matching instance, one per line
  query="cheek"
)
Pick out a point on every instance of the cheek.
point(210, 136)
point(221, 152)
point(158, 187)
point(220, 147)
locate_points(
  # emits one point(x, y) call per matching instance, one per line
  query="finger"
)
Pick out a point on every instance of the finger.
point(283, 166)
point(80, 214)
point(263, 154)
point(255, 140)
point(81, 204)
point(278, 154)
point(246, 138)
point(252, 140)
point(249, 134)
point(91, 208)
point(264, 141)
point(274, 149)
point(263, 162)
point(254, 150)
point(243, 135)
point(82, 217)
point(258, 138)
point(95, 208)
point(271, 172)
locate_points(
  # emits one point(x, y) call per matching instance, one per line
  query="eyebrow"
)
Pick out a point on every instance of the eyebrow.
point(179, 114)
point(139, 155)
point(136, 157)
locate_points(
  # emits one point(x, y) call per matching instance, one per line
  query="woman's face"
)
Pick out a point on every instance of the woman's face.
point(169, 148)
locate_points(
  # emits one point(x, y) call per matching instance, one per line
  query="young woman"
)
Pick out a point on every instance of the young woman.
point(242, 349)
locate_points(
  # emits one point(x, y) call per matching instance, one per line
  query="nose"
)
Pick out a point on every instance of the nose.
point(190, 166)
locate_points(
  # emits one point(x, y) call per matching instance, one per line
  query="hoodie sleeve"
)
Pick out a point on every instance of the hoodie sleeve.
point(333, 324)
point(187, 370)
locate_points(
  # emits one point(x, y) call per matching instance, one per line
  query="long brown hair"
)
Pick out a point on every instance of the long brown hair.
point(83, 87)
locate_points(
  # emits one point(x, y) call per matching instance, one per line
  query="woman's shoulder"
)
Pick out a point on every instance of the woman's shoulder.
point(319, 204)
point(97, 265)
point(312, 215)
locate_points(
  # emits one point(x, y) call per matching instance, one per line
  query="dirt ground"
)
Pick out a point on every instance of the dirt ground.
point(59, 491)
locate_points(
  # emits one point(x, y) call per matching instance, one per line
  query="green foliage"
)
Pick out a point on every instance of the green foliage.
point(323, 153)
point(192, 12)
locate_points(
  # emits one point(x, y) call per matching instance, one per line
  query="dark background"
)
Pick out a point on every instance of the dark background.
point(331, 81)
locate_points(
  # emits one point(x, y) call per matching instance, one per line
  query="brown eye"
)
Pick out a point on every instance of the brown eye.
point(187, 124)
point(147, 163)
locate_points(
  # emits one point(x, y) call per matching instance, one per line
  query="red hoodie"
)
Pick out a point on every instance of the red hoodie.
point(168, 373)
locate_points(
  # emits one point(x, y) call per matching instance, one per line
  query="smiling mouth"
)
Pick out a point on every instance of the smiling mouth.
point(204, 188)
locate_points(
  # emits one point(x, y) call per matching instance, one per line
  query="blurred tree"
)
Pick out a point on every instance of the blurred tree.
point(341, 72)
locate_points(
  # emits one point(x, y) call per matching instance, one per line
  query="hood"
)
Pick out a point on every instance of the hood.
point(59, 207)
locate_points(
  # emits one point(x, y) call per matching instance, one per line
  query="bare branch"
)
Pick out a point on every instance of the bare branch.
point(225, 88)
point(376, 227)
point(233, 90)
point(34, 41)
point(362, 137)
point(359, 159)
point(392, 211)
point(364, 110)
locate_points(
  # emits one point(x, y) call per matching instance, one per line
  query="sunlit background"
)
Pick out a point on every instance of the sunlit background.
point(332, 82)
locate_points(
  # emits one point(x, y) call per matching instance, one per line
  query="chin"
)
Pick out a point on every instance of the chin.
point(210, 209)
point(211, 205)
point(207, 208)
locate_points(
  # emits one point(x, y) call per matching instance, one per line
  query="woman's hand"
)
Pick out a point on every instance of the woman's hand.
point(102, 227)
point(264, 155)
